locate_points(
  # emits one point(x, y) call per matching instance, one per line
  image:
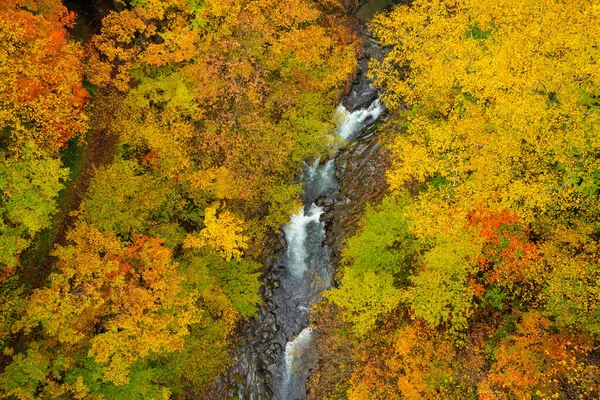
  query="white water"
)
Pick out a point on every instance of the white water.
point(319, 179)
point(295, 354)
point(295, 236)
point(307, 263)
point(350, 124)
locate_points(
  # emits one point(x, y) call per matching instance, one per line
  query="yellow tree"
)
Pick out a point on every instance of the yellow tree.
point(224, 233)
point(120, 301)
point(503, 102)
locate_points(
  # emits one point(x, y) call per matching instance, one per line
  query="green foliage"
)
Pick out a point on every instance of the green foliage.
point(494, 297)
point(205, 355)
point(122, 198)
point(29, 187)
point(24, 375)
point(378, 260)
point(238, 278)
point(12, 306)
point(70, 154)
point(475, 32)
point(365, 298)
point(385, 243)
point(145, 381)
point(440, 294)
point(573, 298)
point(240, 281)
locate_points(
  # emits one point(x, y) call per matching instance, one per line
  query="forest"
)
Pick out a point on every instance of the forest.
point(477, 276)
point(150, 157)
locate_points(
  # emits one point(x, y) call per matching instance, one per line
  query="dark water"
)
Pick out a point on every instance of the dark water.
point(307, 266)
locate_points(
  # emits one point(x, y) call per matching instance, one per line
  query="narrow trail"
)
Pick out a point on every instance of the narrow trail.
point(37, 260)
point(98, 149)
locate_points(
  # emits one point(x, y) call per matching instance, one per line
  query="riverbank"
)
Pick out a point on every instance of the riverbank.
point(262, 352)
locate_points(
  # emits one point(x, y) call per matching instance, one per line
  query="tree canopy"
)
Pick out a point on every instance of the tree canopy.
point(494, 134)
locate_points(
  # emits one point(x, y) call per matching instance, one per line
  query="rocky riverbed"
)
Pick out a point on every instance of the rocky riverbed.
point(360, 172)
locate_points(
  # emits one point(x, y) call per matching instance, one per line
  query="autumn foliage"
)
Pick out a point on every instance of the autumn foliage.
point(493, 130)
point(41, 75)
point(478, 276)
point(213, 106)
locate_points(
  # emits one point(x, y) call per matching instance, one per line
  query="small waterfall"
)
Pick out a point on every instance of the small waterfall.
point(295, 235)
point(351, 124)
point(307, 264)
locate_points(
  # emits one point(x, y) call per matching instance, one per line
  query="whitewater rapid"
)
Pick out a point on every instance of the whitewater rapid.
point(307, 264)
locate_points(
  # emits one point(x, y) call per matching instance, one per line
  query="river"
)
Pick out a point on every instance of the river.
point(276, 352)
point(308, 269)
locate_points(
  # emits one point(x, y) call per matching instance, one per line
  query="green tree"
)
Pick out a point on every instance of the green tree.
point(365, 298)
point(122, 198)
point(29, 187)
point(440, 293)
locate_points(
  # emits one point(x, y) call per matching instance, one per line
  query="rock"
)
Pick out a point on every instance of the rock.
point(261, 391)
point(361, 148)
point(269, 322)
point(281, 240)
point(363, 66)
point(272, 306)
point(320, 201)
point(327, 218)
point(269, 361)
point(372, 48)
point(369, 135)
point(276, 348)
point(276, 283)
point(260, 377)
point(268, 292)
point(361, 95)
point(327, 209)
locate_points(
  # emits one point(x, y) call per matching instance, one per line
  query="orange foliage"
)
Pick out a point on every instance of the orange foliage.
point(508, 257)
point(40, 74)
point(536, 362)
point(415, 362)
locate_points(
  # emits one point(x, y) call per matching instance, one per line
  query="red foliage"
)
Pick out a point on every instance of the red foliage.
point(40, 73)
point(507, 256)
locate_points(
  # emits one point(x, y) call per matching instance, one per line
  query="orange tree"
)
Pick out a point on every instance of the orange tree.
point(499, 150)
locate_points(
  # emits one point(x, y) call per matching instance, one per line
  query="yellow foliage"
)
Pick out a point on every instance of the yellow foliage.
point(132, 292)
point(222, 232)
point(220, 182)
point(502, 95)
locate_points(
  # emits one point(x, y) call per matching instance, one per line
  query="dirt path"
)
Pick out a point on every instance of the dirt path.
point(98, 150)
point(37, 261)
